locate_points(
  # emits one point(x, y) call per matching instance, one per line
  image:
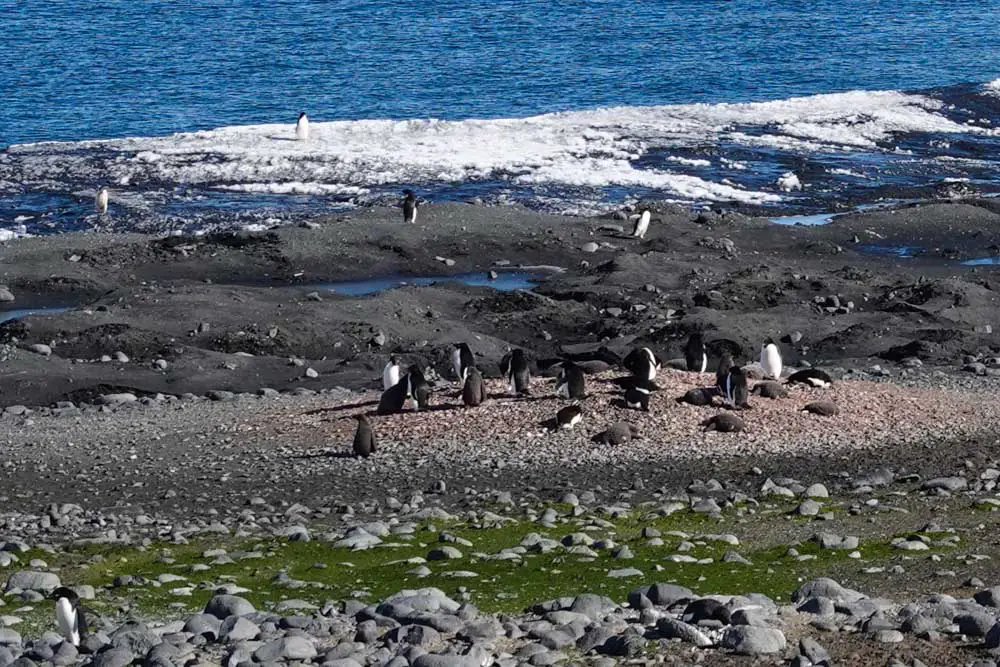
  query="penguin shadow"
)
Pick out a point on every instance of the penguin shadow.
point(278, 138)
point(339, 408)
point(325, 455)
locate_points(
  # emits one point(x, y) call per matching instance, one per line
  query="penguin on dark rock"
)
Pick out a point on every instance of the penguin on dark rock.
point(722, 372)
point(462, 360)
point(812, 377)
point(418, 390)
point(409, 207)
point(725, 422)
point(770, 359)
point(474, 389)
point(571, 383)
point(642, 363)
point(516, 371)
point(637, 395)
point(364, 438)
point(695, 354)
point(390, 374)
point(699, 397)
point(70, 618)
point(734, 389)
point(770, 389)
point(569, 416)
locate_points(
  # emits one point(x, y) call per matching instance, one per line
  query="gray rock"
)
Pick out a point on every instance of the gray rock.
point(205, 625)
point(238, 628)
point(28, 580)
point(114, 657)
point(591, 605)
point(946, 483)
point(224, 606)
point(446, 660)
point(624, 572)
point(40, 348)
point(64, 654)
point(10, 637)
point(751, 640)
point(444, 553)
point(665, 595)
point(887, 636)
point(816, 491)
point(135, 637)
point(6, 296)
point(415, 635)
point(593, 638)
point(809, 507)
point(117, 399)
point(671, 628)
point(812, 650)
point(825, 587)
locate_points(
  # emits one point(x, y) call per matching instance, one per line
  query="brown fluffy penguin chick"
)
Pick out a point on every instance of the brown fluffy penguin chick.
point(724, 422)
point(619, 433)
point(770, 389)
point(364, 438)
point(824, 408)
point(474, 389)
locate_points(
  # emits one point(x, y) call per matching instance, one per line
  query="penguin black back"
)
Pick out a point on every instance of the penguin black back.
point(571, 383)
point(725, 363)
point(364, 438)
point(474, 389)
point(734, 389)
point(642, 363)
point(695, 354)
point(515, 369)
point(409, 206)
point(394, 398)
point(812, 377)
point(637, 394)
point(417, 388)
point(569, 416)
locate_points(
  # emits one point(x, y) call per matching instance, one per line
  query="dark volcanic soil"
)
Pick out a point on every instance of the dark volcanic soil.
point(205, 304)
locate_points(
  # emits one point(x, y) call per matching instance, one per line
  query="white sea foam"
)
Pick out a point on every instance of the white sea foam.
point(596, 148)
point(992, 88)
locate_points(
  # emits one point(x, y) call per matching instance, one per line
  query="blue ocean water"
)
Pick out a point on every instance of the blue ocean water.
point(566, 106)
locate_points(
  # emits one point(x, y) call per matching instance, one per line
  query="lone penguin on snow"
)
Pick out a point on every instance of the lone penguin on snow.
point(571, 383)
point(515, 369)
point(695, 354)
point(302, 127)
point(409, 207)
point(390, 374)
point(462, 360)
point(642, 225)
point(101, 201)
point(70, 619)
point(364, 438)
point(770, 360)
point(474, 390)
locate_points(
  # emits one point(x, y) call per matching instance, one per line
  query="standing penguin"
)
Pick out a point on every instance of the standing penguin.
point(734, 389)
point(642, 363)
point(409, 207)
point(695, 354)
point(302, 127)
point(571, 383)
point(641, 225)
point(462, 360)
point(514, 368)
point(637, 395)
point(390, 374)
point(393, 399)
point(770, 359)
point(364, 438)
point(69, 615)
point(417, 388)
point(101, 201)
point(474, 390)
point(725, 363)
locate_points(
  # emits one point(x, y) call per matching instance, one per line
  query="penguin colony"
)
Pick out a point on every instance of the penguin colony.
point(731, 389)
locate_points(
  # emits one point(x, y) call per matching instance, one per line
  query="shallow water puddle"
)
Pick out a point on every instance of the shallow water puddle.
point(807, 220)
point(982, 261)
point(505, 281)
point(7, 315)
point(902, 251)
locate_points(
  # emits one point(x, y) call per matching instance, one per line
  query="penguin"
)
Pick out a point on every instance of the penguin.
point(695, 354)
point(698, 397)
point(725, 422)
point(302, 127)
point(770, 359)
point(770, 390)
point(101, 201)
point(514, 368)
point(642, 363)
point(734, 389)
point(390, 374)
point(569, 416)
point(822, 408)
point(637, 395)
point(417, 388)
point(725, 363)
point(70, 618)
point(618, 433)
point(571, 383)
point(641, 225)
point(409, 207)
point(393, 399)
point(462, 360)
point(364, 438)
point(474, 391)
point(813, 377)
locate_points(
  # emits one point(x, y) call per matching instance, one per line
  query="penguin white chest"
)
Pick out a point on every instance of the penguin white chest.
point(770, 361)
point(456, 363)
point(641, 225)
point(66, 620)
point(390, 376)
point(101, 201)
point(302, 129)
point(704, 362)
